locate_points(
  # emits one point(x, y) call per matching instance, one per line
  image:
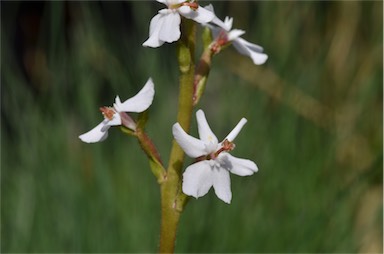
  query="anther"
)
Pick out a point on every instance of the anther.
point(226, 147)
point(192, 5)
point(108, 112)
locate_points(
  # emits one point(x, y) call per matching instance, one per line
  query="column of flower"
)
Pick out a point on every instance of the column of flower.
point(213, 161)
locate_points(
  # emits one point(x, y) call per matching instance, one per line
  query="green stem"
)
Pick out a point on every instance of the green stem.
point(172, 197)
point(154, 157)
point(201, 75)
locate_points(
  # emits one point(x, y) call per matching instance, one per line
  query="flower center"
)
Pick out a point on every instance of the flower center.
point(227, 146)
point(192, 5)
point(108, 112)
point(220, 41)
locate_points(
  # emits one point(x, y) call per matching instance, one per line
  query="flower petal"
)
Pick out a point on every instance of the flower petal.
point(116, 120)
point(254, 51)
point(215, 20)
point(237, 166)
point(200, 15)
point(251, 46)
point(233, 134)
point(197, 179)
point(154, 30)
point(172, 2)
point(222, 185)
point(210, 8)
point(228, 21)
point(234, 34)
point(205, 132)
point(117, 104)
point(170, 29)
point(193, 147)
point(215, 30)
point(140, 102)
point(97, 134)
point(155, 23)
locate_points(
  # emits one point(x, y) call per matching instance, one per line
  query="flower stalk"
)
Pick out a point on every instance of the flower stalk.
point(155, 162)
point(201, 76)
point(172, 197)
point(153, 155)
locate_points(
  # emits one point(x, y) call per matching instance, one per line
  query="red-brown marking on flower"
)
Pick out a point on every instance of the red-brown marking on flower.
point(192, 5)
point(108, 112)
point(227, 146)
point(221, 40)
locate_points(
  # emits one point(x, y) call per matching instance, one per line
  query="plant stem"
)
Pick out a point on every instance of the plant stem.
point(171, 191)
point(154, 157)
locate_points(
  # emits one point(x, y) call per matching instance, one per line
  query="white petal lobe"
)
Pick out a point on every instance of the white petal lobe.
point(117, 104)
point(249, 49)
point(170, 29)
point(197, 179)
point(97, 134)
point(210, 8)
point(234, 34)
point(233, 134)
point(215, 20)
point(237, 166)
point(141, 101)
point(116, 120)
point(193, 147)
point(201, 15)
point(250, 46)
point(205, 132)
point(222, 185)
point(154, 30)
point(156, 22)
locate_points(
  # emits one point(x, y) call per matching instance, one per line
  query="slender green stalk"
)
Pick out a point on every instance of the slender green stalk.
point(172, 198)
point(145, 142)
point(153, 155)
point(202, 72)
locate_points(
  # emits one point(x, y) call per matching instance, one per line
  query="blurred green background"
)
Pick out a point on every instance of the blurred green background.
point(314, 128)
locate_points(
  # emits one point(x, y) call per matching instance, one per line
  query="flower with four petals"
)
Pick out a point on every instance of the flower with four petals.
point(116, 115)
point(165, 26)
point(213, 161)
point(224, 34)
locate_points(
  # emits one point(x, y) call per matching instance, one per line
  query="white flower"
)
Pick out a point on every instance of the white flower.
point(115, 115)
point(165, 26)
point(213, 160)
point(223, 34)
